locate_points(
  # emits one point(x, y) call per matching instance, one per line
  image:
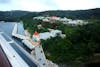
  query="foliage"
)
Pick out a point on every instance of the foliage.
point(77, 14)
point(80, 43)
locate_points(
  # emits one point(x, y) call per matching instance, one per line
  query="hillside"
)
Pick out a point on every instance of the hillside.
point(11, 15)
point(80, 43)
point(77, 14)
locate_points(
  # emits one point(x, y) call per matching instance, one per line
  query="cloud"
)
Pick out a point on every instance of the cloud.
point(47, 3)
point(37, 5)
point(42, 5)
point(77, 4)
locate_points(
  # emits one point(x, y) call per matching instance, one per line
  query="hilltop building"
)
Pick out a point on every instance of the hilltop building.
point(55, 19)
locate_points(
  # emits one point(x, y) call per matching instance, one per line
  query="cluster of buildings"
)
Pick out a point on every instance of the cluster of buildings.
point(48, 35)
point(54, 19)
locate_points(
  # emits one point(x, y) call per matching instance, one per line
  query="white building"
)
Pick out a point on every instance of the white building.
point(48, 35)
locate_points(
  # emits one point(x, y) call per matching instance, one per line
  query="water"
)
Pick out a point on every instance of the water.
point(20, 29)
point(7, 27)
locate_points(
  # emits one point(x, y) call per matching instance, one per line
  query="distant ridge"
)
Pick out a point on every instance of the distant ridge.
point(77, 14)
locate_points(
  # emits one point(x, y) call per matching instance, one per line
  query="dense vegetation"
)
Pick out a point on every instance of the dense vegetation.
point(80, 43)
point(77, 14)
point(78, 46)
point(11, 15)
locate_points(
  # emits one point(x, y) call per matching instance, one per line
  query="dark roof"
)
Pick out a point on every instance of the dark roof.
point(3, 59)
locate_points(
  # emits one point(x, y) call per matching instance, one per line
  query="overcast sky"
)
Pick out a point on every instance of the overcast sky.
point(42, 5)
